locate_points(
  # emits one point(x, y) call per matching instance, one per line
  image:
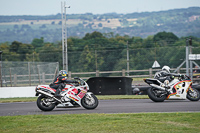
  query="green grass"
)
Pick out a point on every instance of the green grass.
point(103, 123)
point(18, 99)
point(110, 97)
point(100, 97)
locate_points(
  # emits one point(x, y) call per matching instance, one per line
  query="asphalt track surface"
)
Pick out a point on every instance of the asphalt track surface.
point(105, 106)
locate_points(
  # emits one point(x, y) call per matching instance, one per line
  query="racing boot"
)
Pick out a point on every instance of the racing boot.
point(57, 93)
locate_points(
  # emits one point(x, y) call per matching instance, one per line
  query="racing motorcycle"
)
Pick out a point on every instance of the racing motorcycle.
point(178, 88)
point(72, 95)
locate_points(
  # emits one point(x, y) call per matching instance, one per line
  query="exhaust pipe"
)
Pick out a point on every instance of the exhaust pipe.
point(45, 93)
point(158, 87)
point(50, 95)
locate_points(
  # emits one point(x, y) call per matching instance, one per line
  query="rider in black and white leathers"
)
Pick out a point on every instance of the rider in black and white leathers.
point(165, 76)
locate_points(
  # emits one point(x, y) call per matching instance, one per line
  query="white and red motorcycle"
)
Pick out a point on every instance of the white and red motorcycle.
point(71, 96)
point(178, 88)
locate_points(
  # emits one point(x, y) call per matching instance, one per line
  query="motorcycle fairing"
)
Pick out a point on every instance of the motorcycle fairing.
point(152, 81)
point(46, 88)
point(72, 95)
point(67, 86)
point(181, 89)
point(76, 95)
point(82, 92)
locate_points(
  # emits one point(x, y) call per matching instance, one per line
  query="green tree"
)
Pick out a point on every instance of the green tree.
point(21, 49)
point(165, 36)
point(93, 35)
point(5, 48)
point(87, 60)
point(49, 53)
point(38, 42)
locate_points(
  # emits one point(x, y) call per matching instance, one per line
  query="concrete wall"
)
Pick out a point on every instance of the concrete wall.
point(10, 92)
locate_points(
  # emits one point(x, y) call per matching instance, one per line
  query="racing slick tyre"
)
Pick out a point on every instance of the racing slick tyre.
point(155, 96)
point(89, 101)
point(193, 94)
point(44, 103)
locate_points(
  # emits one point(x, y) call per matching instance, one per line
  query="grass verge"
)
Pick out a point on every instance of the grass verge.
point(100, 97)
point(103, 123)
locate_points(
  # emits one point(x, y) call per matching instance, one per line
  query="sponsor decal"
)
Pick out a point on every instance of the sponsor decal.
point(73, 98)
point(81, 94)
point(47, 88)
point(43, 87)
point(70, 92)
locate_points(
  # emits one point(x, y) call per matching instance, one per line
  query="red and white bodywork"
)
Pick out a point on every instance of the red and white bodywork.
point(72, 95)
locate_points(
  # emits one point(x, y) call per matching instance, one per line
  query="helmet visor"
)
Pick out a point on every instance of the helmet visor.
point(64, 73)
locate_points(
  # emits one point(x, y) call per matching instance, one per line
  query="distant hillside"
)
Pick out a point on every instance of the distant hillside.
point(182, 22)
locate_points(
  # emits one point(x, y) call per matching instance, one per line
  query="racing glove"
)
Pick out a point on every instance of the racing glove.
point(182, 76)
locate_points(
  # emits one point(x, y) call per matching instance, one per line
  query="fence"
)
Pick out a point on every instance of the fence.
point(44, 76)
point(28, 73)
point(147, 73)
point(100, 63)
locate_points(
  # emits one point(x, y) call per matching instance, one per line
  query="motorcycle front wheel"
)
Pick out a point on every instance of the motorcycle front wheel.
point(155, 95)
point(89, 101)
point(45, 103)
point(193, 94)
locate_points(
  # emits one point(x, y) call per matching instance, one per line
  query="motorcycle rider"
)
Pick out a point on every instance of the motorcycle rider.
point(165, 76)
point(59, 82)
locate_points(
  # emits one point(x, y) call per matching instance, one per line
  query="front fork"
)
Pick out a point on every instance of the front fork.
point(89, 94)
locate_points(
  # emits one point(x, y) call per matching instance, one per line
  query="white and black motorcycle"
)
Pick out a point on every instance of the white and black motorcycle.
point(178, 88)
point(71, 96)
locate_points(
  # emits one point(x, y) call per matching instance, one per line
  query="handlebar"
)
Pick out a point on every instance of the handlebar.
point(82, 82)
point(184, 77)
point(77, 78)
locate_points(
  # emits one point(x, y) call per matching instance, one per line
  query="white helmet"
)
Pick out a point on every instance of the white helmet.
point(166, 68)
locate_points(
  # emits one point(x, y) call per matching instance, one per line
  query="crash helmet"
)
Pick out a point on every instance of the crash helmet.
point(136, 91)
point(166, 68)
point(63, 73)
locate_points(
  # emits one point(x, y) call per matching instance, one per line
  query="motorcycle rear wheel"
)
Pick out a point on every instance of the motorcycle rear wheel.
point(89, 102)
point(153, 95)
point(193, 95)
point(44, 105)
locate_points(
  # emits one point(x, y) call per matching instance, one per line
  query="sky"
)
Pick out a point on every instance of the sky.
point(52, 7)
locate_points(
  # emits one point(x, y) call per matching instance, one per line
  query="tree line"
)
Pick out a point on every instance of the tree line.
point(104, 51)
